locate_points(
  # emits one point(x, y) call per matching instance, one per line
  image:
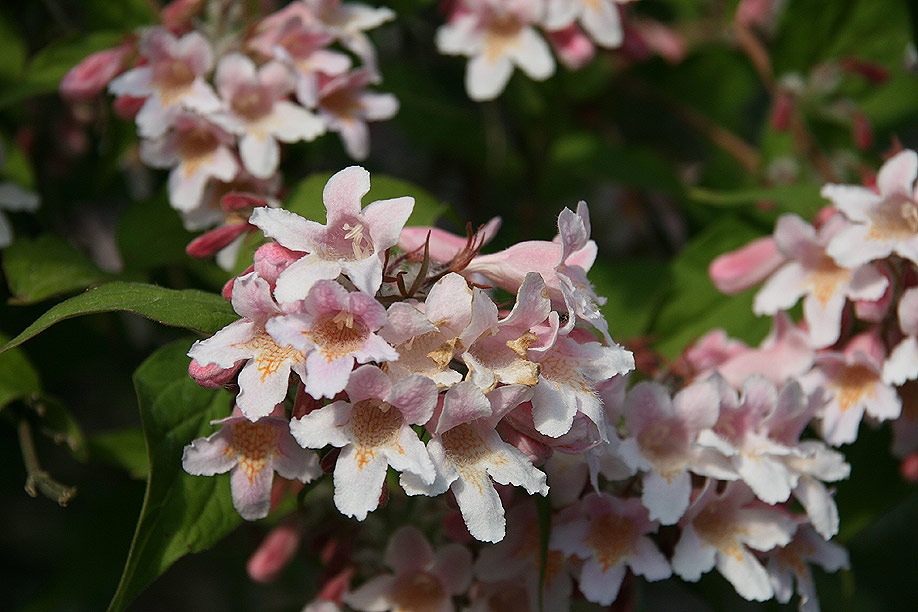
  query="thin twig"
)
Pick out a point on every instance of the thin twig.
point(38, 480)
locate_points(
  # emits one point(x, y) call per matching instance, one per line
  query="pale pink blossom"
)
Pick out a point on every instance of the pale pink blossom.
point(264, 376)
point(467, 453)
point(303, 48)
point(599, 18)
point(172, 79)
point(429, 335)
point(611, 538)
point(496, 35)
point(881, 223)
point(855, 387)
point(573, 48)
point(274, 552)
point(251, 452)
point(347, 106)
point(197, 151)
point(812, 274)
point(661, 442)
point(256, 109)
point(373, 430)
point(333, 328)
point(789, 564)
point(422, 579)
point(352, 241)
point(725, 530)
point(516, 560)
point(348, 22)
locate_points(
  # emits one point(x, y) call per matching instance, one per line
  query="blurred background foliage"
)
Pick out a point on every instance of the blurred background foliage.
point(680, 159)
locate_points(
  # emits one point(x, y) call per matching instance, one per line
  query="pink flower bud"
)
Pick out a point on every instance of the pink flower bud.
point(127, 106)
point(274, 553)
point(177, 15)
point(861, 131)
point(757, 13)
point(212, 376)
point(909, 467)
point(336, 586)
point(207, 244)
point(87, 79)
point(236, 200)
point(227, 291)
point(876, 74)
point(271, 259)
point(666, 42)
point(782, 110)
point(573, 47)
point(747, 266)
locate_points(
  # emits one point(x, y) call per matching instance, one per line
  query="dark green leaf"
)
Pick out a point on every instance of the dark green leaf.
point(124, 448)
point(12, 50)
point(18, 379)
point(47, 266)
point(150, 234)
point(181, 513)
point(189, 308)
point(633, 289)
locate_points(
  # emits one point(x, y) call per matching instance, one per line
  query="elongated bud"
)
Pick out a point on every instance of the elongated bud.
point(274, 553)
point(87, 79)
point(237, 200)
point(747, 266)
point(861, 132)
point(909, 468)
point(876, 74)
point(782, 110)
point(271, 259)
point(573, 47)
point(207, 244)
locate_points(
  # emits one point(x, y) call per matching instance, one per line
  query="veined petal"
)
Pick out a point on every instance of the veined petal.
point(226, 347)
point(358, 482)
point(210, 455)
point(251, 491)
point(409, 454)
point(324, 426)
point(480, 506)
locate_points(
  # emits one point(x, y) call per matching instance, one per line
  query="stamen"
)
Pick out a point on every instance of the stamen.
point(344, 319)
point(909, 212)
point(361, 243)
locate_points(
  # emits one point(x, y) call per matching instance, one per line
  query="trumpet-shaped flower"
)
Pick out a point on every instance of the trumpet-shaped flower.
point(251, 452)
point(264, 376)
point(882, 223)
point(812, 274)
point(351, 242)
point(347, 106)
point(422, 581)
point(790, 564)
point(600, 18)
point(610, 537)
point(333, 328)
point(257, 111)
point(373, 430)
point(467, 453)
point(496, 34)
point(172, 79)
point(724, 530)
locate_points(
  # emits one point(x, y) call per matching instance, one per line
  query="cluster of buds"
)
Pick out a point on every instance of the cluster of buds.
point(213, 98)
point(403, 360)
point(498, 34)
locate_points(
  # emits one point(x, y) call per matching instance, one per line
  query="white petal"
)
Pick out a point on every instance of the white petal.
point(358, 482)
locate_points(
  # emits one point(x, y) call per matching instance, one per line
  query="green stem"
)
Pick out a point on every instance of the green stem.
point(37, 479)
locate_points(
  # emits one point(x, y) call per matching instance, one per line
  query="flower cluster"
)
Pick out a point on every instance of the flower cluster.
point(212, 100)
point(500, 34)
point(403, 360)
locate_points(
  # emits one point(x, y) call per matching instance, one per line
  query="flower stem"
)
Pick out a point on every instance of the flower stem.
point(37, 479)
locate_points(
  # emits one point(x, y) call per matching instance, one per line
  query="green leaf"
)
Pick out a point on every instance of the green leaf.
point(802, 199)
point(189, 308)
point(47, 266)
point(633, 289)
point(693, 306)
point(18, 379)
point(44, 73)
point(305, 198)
point(123, 448)
point(12, 50)
point(181, 513)
point(150, 234)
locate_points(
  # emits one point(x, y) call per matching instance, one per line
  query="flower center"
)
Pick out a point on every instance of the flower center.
point(196, 142)
point(269, 356)
point(173, 74)
point(825, 278)
point(339, 335)
point(253, 444)
point(342, 104)
point(853, 383)
point(612, 538)
point(251, 103)
point(349, 239)
point(464, 446)
point(720, 533)
point(418, 592)
point(502, 31)
point(895, 218)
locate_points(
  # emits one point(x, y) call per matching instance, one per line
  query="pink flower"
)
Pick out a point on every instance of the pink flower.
point(790, 564)
point(611, 539)
point(422, 580)
point(600, 19)
point(496, 34)
point(333, 328)
point(257, 111)
point(373, 430)
point(812, 274)
point(351, 242)
point(251, 452)
point(882, 223)
point(172, 80)
point(347, 107)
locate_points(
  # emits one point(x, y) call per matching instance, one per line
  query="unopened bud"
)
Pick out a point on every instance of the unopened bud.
point(572, 46)
point(87, 79)
point(207, 244)
point(271, 259)
point(861, 132)
point(236, 200)
point(212, 376)
point(782, 110)
point(274, 553)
